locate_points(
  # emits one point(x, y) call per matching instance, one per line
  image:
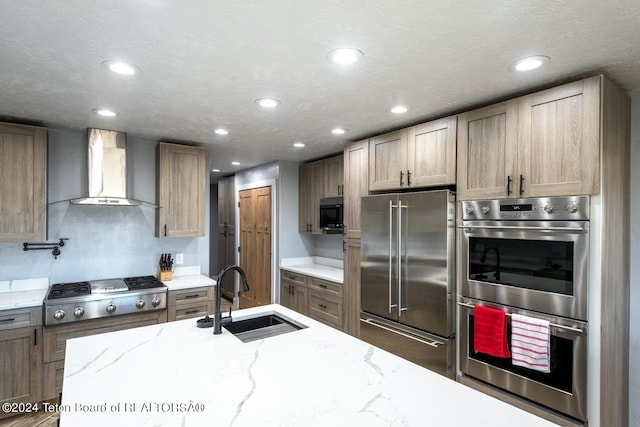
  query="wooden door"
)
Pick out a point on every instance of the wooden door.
point(333, 177)
point(351, 285)
point(255, 245)
point(21, 366)
point(432, 153)
point(356, 184)
point(388, 161)
point(487, 140)
point(560, 139)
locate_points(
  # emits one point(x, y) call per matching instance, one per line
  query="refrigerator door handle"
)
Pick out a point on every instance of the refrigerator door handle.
point(391, 207)
point(432, 343)
point(400, 262)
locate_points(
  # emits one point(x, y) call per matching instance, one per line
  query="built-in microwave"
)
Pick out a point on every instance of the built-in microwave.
point(331, 214)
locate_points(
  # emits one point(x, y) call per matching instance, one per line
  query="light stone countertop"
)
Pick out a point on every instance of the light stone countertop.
point(188, 277)
point(23, 293)
point(176, 374)
point(319, 267)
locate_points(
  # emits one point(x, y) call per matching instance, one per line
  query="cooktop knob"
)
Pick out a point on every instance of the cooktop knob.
point(469, 211)
point(548, 208)
point(111, 308)
point(78, 312)
point(58, 315)
point(572, 207)
point(155, 301)
point(485, 209)
point(140, 303)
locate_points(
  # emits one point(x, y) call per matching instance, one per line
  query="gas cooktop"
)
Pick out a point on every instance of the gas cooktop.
point(75, 289)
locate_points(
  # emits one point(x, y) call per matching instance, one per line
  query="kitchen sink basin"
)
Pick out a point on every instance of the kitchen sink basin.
point(261, 327)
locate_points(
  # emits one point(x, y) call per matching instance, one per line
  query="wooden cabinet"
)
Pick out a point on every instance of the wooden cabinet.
point(333, 171)
point(227, 202)
point(351, 285)
point(55, 342)
point(311, 190)
point(543, 144)
point(227, 232)
point(420, 156)
point(23, 184)
point(21, 355)
point(319, 299)
point(189, 303)
point(181, 188)
point(356, 185)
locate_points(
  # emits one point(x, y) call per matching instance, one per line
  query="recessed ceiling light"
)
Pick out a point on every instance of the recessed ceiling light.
point(221, 131)
point(120, 67)
point(267, 102)
point(215, 170)
point(399, 109)
point(338, 131)
point(298, 144)
point(529, 63)
point(104, 112)
point(345, 56)
point(235, 163)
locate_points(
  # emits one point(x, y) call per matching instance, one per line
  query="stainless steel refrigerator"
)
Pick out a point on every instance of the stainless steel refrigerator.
point(408, 276)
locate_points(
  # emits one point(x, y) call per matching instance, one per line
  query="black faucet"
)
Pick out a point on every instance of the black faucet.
point(484, 258)
point(218, 321)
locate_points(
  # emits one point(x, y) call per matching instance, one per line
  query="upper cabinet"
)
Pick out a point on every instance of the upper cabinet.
point(311, 190)
point(181, 188)
point(333, 176)
point(356, 185)
point(543, 144)
point(420, 156)
point(23, 172)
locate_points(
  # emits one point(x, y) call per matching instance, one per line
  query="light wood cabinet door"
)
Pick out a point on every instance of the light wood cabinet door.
point(333, 176)
point(181, 177)
point(432, 153)
point(356, 185)
point(352, 287)
point(21, 367)
point(293, 291)
point(388, 161)
point(559, 134)
point(311, 190)
point(487, 140)
point(23, 196)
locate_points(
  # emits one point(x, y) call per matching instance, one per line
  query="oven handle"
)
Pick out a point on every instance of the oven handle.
point(555, 325)
point(514, 227)
point(372, 322)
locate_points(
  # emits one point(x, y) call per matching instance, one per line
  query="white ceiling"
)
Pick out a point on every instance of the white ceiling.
point(204, 62)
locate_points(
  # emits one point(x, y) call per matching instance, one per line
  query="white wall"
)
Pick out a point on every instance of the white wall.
point(634, 333)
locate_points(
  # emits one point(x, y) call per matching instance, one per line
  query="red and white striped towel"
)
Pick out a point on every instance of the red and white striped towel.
point(530, 342)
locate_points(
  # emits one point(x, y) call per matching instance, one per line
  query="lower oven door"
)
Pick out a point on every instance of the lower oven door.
point(427, 350)
point(563, 389)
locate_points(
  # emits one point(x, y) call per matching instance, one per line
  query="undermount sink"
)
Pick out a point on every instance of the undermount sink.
point(261, 327)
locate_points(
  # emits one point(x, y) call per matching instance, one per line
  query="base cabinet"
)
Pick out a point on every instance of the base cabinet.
point(321, 300)
point(21, 356)
point(189, 303)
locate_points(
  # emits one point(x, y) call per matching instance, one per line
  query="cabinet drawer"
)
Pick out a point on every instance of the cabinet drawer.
point(203, 293)
point(20, 318)
point(193, 310)
point(330, 288)
point(294, 277)
point(325, 308)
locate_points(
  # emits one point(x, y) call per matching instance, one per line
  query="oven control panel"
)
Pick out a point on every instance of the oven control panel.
point(541, 208)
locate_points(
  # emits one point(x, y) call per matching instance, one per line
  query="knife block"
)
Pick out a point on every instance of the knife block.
point(164, 275)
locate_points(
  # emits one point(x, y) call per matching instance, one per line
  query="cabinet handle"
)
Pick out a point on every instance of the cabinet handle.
point(165, 230)
point(10, 319)
point(408, 178)
point(322, 285)
point(191, 296)
point(508, 185)
point(401, 176)
point(323, 306)
point(521, 185)
point(191, 311)
point(35, 337)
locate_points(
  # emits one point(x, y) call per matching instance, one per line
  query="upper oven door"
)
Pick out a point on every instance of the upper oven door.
point(536, 265)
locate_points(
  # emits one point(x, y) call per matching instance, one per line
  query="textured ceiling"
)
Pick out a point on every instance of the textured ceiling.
point(204, 62)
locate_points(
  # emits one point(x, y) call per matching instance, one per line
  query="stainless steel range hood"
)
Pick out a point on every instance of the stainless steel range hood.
point(107, 169)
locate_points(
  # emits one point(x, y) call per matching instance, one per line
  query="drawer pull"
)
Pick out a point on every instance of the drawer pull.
point(10, 319)
point(323, 306)
point(191, 296)
point(322, 285)
point(191, 311)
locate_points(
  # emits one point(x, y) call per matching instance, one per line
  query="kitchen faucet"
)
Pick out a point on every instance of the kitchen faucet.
point(218, 321)
point(484, 258)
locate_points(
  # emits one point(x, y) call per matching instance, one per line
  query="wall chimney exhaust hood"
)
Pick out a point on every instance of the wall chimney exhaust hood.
point(107, 168)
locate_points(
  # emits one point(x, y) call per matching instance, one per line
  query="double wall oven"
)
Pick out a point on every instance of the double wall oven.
point(528, 257)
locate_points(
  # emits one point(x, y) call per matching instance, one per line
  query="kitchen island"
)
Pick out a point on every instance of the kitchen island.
point(176, 374)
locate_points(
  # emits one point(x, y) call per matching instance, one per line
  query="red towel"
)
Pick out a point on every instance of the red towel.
point(490, 332)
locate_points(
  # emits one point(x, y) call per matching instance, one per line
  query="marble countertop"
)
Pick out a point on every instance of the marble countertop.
point(188, 277)
point(176, 374)
point(319, 267)
point(23, 293)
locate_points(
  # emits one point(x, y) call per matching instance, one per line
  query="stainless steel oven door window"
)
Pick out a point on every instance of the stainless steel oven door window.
point(538, 265)
point(563, 389)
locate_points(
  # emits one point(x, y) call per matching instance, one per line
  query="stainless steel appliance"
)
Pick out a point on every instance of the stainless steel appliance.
point(331, 214)
point(408, 276)
point(529, 256)
point(72, 302)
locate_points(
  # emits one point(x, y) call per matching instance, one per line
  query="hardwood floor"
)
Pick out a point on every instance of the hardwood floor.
point(38, 419)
